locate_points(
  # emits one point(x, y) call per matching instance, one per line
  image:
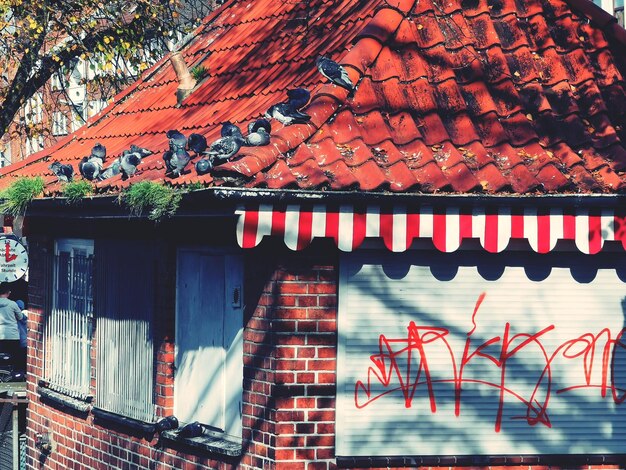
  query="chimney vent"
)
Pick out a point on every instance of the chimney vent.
point(186, 82)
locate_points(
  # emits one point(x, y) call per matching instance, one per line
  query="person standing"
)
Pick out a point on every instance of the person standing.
point(10, 314)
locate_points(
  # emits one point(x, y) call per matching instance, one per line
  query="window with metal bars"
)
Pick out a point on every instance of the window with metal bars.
point(126, 279)
point(69, 325)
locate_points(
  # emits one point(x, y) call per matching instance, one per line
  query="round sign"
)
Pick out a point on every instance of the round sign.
point(13, 260)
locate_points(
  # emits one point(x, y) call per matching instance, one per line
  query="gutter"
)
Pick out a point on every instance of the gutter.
point(222, 202)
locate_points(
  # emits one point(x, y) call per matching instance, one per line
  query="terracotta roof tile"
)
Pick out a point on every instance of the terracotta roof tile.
point(522, 96)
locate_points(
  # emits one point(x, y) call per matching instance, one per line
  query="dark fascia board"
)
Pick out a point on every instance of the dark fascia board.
point(222, 202)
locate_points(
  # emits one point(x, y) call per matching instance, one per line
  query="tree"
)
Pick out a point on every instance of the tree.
point(41, 38)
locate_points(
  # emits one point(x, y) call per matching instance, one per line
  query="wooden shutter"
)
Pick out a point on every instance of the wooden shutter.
point(125, 299)
point(209, 348)
point(478, 354)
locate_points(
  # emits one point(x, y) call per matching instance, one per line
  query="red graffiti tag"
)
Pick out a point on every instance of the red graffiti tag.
point(402, 365)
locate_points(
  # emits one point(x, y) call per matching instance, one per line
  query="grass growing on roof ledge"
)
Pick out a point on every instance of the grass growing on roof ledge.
point(15, 198)
point(155, 199)
point(76, 191)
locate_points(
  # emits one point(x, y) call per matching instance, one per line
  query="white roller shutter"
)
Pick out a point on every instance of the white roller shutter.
point(520, 354)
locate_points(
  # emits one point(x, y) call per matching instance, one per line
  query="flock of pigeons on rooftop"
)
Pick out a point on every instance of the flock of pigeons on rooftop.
point(178, 156)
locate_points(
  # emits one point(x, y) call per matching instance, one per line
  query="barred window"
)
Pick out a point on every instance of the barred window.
point(69, 325)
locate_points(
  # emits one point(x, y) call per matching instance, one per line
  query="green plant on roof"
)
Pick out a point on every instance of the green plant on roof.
point(155, 199)
point(15, 198)
point(195, 186)
point(199, 72)
point(75, 191)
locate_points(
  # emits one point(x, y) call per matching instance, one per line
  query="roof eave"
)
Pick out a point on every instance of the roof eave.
point(222, 202)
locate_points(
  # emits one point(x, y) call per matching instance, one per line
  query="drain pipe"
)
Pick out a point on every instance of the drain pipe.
point(186, 83)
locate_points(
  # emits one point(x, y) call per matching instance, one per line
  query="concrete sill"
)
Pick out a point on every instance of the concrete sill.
point(123, 421)
point(212, 442)
point(64, 401)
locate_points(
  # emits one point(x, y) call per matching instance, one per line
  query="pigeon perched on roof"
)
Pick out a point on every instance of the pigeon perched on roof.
point(230, 130)
point(99, 151)
point(176, 140)
point(129, 161)
point(175, 162)
point(255, 125)
point(114, 169)
point(143, 153)
point(334, 72)
point(224, 148)
point(203, 166)
point(63, 172)
point(197, 143)
point(285, 113)
point(258, 138)
point(90, 167)
point(298, 97)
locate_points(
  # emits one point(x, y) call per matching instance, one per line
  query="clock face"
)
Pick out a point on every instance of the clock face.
point(13, 260)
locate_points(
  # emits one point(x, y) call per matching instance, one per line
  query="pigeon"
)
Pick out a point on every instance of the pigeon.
point(63, 172)
point(176, 140)
point(143, 153)
point(255, 125)
point(230, 130)
point(112, 170)
point(128, 163)
point(224, 148)
point(197, 143)
point(284, 112)
point(90, 167)
point(258, 138)
point(99, 151)
point(191, 430)
point(203, 166)
point(175, 162)
point(334, 72)
point(298, 97)
point(167, 423)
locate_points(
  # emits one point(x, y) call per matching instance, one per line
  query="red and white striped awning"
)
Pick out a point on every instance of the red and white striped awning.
point(448, 227)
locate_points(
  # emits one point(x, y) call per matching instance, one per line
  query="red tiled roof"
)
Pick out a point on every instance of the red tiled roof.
point(459, 96)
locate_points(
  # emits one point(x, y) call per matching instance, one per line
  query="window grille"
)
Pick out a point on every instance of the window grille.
point(125, 305)
point(70, 323)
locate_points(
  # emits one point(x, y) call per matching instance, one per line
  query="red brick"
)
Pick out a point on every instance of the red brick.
point(285, 454)
point(326, 378)
point(307, 326)
point(321, 415)
point(320, 441)
point(293, 288)
point(291, 313)
point(285, 428)
point(305, 378)
point(325, 428)
point(306, 428)
point(322, 364)
point(289, 364)
point(305, 454)
point(326, 353)
point(305, 403)
point(290, 465)
point(325, 453)
point(290, 441)
point(306, 352)
point(327, 301)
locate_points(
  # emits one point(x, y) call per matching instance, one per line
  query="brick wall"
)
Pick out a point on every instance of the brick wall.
point(290, 356)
